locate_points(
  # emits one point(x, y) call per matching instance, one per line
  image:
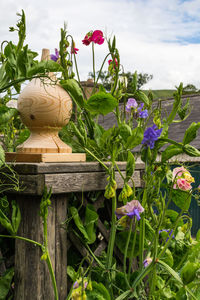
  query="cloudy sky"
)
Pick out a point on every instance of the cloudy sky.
point(159, 37)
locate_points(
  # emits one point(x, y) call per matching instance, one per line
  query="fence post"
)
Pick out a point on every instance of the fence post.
point(32, 278)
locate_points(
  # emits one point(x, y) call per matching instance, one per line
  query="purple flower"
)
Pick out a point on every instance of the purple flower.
point(151, 135)
point(143, 114)
point(131, 209)
point(131, 103)
point(75, 285)
point(147, 261)
point(170, 233)
point(55, 56)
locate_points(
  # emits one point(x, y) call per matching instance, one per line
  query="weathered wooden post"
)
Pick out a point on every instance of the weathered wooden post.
point(32, 279)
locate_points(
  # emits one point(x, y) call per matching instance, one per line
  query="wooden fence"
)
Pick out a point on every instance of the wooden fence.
point(32, 279)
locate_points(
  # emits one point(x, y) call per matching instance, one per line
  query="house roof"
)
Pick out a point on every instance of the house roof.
point(176, 130)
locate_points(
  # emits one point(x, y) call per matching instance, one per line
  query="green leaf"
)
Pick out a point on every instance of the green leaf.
point(176, 105)
point(185, 111)
point(191, 151)
point(188, 272)
point(140, 96)
point(71, 273)
point(125, 131)
point(198, 235)
point(44, 67)
point(191, 133)
point(6, 113)
point(99, 292)
point(130, 166)
point(78, 222)
point(182, 199)
point(172, 214)
point(101, 103)
point(134, 83)
point(16, 216)
point(91, 218)
point(181, 294)
point(124, 295)
point(22, 61)
point(74, 90)
point(168, 258)
point(170, 151)
point(136, 138)
point(2, 156)
point(5, 282)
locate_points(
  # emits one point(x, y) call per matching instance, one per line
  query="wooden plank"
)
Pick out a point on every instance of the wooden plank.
point(75, 167)
point(44, 157)
point(31, 184)
point(32, 278)
point(61, 244)
point(77, 182)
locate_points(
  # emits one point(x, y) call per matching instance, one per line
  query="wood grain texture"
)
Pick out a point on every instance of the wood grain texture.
point(76, 182)
point(44, 107)
point(69, 167)
point(32, 278)
point(44, 157)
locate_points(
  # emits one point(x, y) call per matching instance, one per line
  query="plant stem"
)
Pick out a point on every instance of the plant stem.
point(103, 165)
point(132, 249)
point(125, 252)
point(112, 235)
point(142, 232)
point(93, 60)
point(53, 279)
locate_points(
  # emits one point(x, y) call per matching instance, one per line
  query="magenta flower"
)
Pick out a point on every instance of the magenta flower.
point(74, 50)
point(97, 37)
point(87, 39)
point(55, 56)
point(131, 209)
point(110, 61)
point(131, 103)
point(93, 36)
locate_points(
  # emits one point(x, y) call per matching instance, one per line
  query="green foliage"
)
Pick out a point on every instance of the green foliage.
point(181, 198)
point(191, 133)
point(98, 292)
point(5, 282)
point(11, 225)
point(87, 229)
point(101, 103)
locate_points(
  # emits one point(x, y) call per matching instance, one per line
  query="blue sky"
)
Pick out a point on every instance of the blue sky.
point(159, 37)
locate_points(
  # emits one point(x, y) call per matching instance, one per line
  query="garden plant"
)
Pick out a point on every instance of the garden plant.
point(161, 260)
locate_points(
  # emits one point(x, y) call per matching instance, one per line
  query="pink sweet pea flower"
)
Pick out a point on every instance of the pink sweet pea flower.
point(183, 184)
point(74, 50)
point(97, 37)
point(178, 172)
point(131, 209)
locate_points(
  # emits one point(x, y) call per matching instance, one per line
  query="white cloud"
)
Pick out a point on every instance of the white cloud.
point(151, 35)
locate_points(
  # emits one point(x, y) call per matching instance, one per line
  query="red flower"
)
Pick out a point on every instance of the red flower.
point(74, 50)
point(87, 39)
point(111, 61)
point(97, 37)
